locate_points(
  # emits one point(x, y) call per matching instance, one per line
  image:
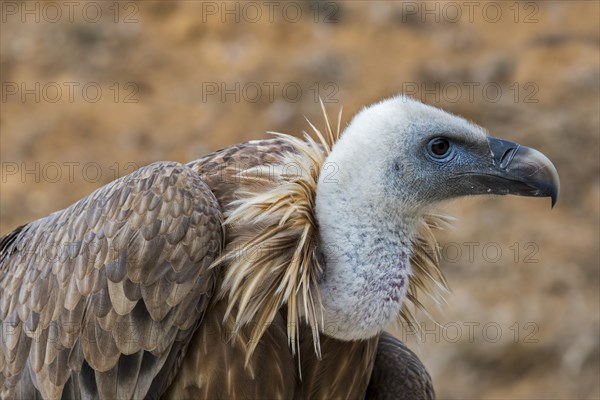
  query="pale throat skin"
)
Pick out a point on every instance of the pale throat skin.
point(367, 211)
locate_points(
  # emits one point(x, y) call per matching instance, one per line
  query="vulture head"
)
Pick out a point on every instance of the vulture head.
point(393, 163)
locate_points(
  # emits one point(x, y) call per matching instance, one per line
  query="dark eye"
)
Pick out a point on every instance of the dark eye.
point(439, 148)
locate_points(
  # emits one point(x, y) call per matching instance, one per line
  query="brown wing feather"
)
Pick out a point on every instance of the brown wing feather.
point(398, 374)
point(343, 372)
point(220, 169)
point(214, 366)
point(101, 298)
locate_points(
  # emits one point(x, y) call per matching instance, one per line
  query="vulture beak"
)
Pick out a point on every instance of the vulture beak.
point(518, 170)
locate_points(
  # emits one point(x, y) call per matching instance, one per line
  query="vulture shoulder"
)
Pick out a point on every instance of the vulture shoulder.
point(100, 299)
point(398, 374)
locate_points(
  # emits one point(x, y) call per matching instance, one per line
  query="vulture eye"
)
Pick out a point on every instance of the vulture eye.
point(439, 148)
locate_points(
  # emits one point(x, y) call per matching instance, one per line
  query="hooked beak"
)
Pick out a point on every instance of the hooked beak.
point(518, 170)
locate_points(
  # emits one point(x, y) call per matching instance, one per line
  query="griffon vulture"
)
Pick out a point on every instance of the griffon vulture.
point(268, 269)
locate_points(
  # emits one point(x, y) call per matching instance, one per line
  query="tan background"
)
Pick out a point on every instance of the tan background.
point(523, 324)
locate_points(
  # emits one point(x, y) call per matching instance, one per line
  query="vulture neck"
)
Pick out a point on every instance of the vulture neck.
point(367, 246)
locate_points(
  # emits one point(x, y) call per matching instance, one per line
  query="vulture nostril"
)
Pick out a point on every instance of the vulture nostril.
point(507, 157)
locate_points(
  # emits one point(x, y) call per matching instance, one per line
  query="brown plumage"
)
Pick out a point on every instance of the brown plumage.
point(122, 282)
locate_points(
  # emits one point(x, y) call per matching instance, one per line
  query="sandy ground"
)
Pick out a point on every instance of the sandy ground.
point(93, 90)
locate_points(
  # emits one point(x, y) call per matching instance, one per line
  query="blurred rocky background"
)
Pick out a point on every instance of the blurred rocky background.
point(93, 90)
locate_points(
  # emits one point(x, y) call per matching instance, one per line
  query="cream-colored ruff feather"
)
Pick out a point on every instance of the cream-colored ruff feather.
point(272, 262)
